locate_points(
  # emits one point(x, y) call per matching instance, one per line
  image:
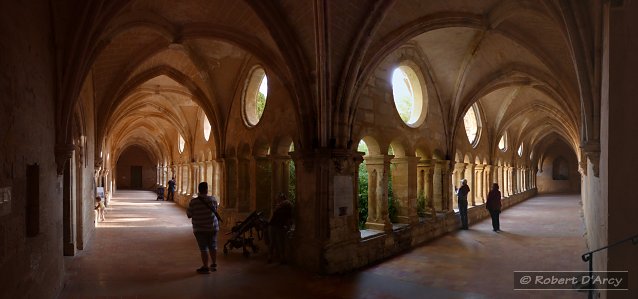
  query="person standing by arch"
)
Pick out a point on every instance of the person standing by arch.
point(461, 194)
point(493, 205)
point(171, 189)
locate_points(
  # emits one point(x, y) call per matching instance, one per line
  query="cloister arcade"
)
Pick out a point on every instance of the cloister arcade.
point(366, 114)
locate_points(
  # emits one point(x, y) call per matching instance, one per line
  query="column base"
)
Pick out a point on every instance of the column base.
point(379, 226)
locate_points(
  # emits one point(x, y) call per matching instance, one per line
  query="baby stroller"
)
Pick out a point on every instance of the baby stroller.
point(160, 193)
point(239, 239)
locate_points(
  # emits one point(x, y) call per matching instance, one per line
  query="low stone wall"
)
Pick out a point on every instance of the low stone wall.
point(353, 255)
point(347, 256)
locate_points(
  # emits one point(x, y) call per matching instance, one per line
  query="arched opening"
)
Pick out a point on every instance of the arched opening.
point(560, 169)
point(363, 186)
point(292, 176)
point(393, 202)
point(135, 169)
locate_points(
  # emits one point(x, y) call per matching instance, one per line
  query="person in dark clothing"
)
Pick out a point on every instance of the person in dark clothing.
point(493, 205)
point(280, 223)
point(461, 193)
point(171, 189)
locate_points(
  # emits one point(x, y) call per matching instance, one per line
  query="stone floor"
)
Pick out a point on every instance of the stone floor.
point(145, 249)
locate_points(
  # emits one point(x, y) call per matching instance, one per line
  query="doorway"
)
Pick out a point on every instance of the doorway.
point(136, 177)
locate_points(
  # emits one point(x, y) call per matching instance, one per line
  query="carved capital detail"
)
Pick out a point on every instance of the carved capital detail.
point(63, 153)
point(591, 152)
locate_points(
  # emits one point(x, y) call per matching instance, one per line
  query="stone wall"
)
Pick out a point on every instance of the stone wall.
point(547, 181)
point(618, 175)
point(32, 266)
point(135, 156)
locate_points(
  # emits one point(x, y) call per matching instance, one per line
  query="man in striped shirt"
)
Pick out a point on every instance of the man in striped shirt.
point(203, 211)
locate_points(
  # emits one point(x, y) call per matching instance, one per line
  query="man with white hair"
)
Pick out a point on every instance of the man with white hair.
point(461, 194)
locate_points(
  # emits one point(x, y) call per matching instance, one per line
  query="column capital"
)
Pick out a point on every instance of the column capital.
point(426, 163)
point(63, 153)
point(378, 159)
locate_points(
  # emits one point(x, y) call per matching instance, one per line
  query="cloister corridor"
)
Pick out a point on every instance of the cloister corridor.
point(145, 249)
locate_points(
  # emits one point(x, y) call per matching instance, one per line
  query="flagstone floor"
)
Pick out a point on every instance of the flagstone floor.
point(145, 249)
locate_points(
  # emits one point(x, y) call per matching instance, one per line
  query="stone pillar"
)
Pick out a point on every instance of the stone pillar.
point(426, 169)
point(231, 182)
point(243, 185)
point(378, 170)
point(219, 179)
point(488, 180)
point(202, 172)
point(444, 185)
point(263, 185)
point(437, 186)
point(458, 174)
point(469, 176)
point(479, 196)
point(326, 218)
point(280, 175)
point(404, 185)
point(208, 166)
point(506, 183)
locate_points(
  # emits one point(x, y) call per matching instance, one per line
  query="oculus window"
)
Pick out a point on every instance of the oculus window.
point(255, 97)
point(410, 98)
point(472, 124)
point(207, 128)
point(502, 143)
point(181, 144)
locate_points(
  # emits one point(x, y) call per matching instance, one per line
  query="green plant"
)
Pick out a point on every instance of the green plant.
point(292, 182)
point(260, 104)
point(363, 195)
point(393, 205)
point(420, 205)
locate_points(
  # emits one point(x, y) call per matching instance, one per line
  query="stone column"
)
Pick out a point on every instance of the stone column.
point(404, 185)
point(263, 185)
point(488, 180)
point(243, 185)
point(426, 169)
point(219, 179)
point(469, 176)
point(437, 186)
point(208, 166)
point(326, 208)
point(378, 170)
point(506, 183)
point(458, 174)
point(231, 182)
point(442, 183)
point(480, 183)
point(193, 178)
point(280, 175)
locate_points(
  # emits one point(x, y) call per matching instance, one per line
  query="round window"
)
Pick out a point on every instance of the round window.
point(409, 98)
point(181, 144)
point(255, 96)
point(502, 144)
point(472, 125)
point(207, 128)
